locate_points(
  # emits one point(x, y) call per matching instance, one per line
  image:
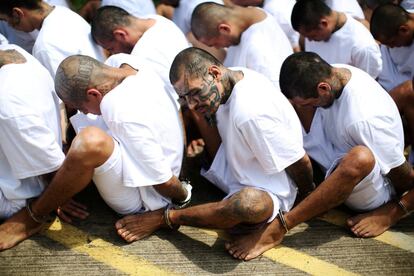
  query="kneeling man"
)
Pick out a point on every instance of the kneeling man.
point(260, 158)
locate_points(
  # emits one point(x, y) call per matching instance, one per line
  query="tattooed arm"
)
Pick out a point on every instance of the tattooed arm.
point(11, 56)
point(402, 177)
point(302, 174)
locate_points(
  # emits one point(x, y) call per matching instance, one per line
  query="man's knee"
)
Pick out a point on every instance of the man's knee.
point(358, 162)
point(92, 146)
point(403, 95)
point(250, 205)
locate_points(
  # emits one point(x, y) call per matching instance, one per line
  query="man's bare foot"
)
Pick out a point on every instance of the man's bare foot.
point(376, 222)
point(17, 228)
point(248, 247)
point(135, 227)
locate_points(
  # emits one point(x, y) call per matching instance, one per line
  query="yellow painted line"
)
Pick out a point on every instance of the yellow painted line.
point(101, 250)
point(296, 259)
point(396, 239)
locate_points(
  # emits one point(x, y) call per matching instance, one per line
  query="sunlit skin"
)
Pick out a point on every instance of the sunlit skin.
point(325, 100)
point(17, 22)
point(397, 41)
point(27, 20)
point(220, 41)
point(116, 46)
point(90, 105)
point(316, 34)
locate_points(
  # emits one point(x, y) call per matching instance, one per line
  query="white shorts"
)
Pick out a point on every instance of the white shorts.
point(10, 207)
point(220, 175)
point(372, 192)
point(108, 179)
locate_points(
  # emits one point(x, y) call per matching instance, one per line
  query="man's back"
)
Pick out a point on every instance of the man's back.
point(160, 44)
point(142, 117)
point(350, 7)
point(182, 14)
point(352, 44)
point(365, 114)
point(134, 7)
point(64, 33)
point(282, 11)
point(261, 134)
point(263, 48)
point(29, 127)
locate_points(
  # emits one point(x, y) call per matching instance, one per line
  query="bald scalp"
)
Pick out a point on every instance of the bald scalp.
point(206, 17)
point(192, 62)
point(75, 75)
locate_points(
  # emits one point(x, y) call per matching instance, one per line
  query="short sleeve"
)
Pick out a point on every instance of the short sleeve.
point(382, 139)
point(30, 146)
point(274, 143)
point(146, 163)
point(368, 59)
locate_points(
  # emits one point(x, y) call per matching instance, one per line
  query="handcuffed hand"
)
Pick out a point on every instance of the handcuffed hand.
point(72, 209)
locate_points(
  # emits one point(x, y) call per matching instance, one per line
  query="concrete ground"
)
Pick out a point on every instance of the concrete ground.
point(322, 246)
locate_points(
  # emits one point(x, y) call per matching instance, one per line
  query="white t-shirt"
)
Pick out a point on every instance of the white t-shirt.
point(403, 58)
point(137, 8)
point(144, 120)
point(158, 47)
point(62, 3)
point(64, 33)
point(182, 13)
point(3, 40)
point(364, 114)
point(23, 39)
point(30, 142)
point(263, 47)
point(352, 44)
point(390, 77)
point(282, 11)
point(350, 7)
point(261, 136)
point(407, 4)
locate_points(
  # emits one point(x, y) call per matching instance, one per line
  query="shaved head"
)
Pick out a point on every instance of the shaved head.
point(193, 62)
point(107, 19)
point(75, 75)
point(386, 21)
point(206, 17)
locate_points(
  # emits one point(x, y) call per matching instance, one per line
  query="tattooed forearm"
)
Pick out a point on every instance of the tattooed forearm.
point(302, 174)
point(402, 177)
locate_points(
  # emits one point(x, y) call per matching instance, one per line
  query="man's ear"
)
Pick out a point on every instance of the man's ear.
point(323, 23)
point(404, 30)
point(93, 94)
point(120, 34)
point(215, 71)
point(17, 13)
point(224, 28)
point(323, 88)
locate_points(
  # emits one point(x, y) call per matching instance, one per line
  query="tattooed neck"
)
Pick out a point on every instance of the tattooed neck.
point(229, 80)
point(10, 57)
